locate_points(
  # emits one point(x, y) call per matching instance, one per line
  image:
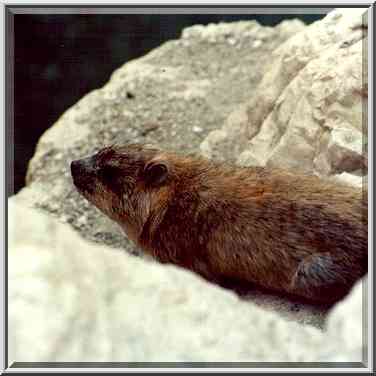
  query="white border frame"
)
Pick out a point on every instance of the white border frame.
point(28, 3)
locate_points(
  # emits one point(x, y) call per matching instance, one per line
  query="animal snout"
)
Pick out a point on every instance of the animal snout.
point(83, 173)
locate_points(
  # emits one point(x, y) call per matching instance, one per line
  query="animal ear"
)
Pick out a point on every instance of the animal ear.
point(156, 173)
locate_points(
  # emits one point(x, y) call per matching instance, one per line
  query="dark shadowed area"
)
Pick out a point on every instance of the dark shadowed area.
point(60, 58)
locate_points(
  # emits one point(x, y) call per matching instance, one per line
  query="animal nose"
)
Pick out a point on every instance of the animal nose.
point(82, 166)
point(82, 171)
point(75, 168)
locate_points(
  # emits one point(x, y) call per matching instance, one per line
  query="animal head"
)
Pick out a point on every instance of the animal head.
point(129, 182)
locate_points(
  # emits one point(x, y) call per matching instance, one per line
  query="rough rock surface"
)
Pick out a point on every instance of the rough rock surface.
point(213, 92)
point(72, 300)
point(309, 111)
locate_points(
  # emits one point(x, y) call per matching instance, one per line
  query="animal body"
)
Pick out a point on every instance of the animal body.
point(287, 232)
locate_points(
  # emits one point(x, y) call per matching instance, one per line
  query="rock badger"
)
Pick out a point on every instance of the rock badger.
point(287, 232)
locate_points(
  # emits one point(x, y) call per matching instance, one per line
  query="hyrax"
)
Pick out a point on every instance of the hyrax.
point(287, 232)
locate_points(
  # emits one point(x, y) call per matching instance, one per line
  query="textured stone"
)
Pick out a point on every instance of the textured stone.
point(308, 112)
point(345, 150)
point(347, 328)
point(71, 300)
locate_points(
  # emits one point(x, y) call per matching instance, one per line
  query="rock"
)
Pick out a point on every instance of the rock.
point(72, 300)
point(347, 326)
point(302, 53)
point(345, 150)
point(307, 113)
point(357, 181)
point(226, 143)
point(89, 303)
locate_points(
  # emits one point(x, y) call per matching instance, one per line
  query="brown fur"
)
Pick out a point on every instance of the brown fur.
point(296, 234)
